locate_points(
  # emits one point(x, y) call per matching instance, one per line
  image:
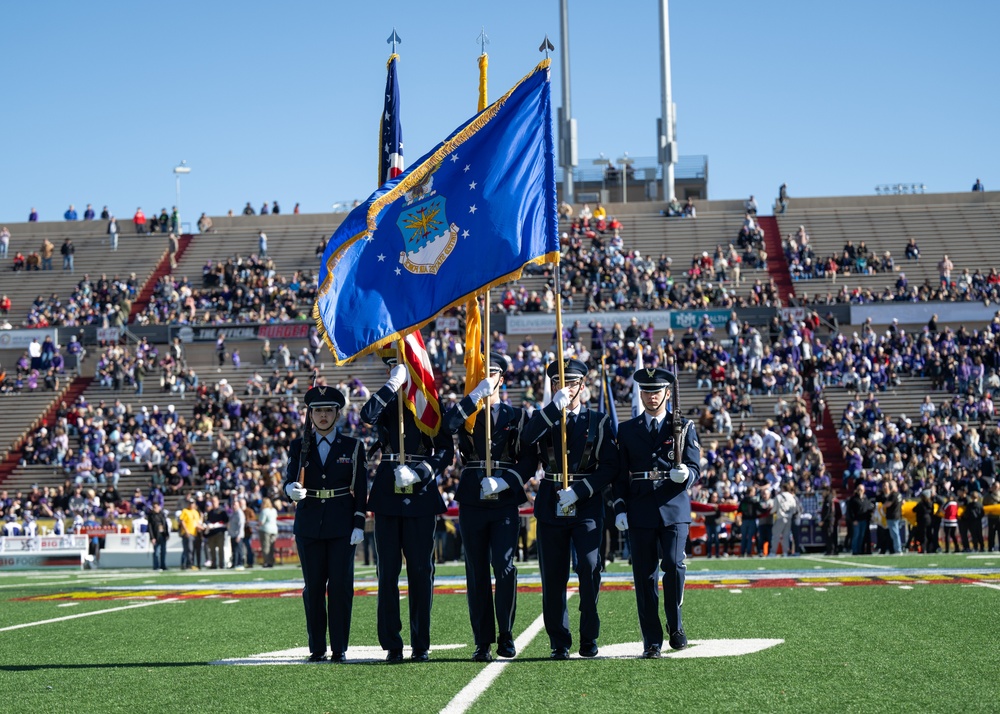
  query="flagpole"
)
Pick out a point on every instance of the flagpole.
point(483, 64)
point(489, 399)
point(400, 396)
point(562, 373)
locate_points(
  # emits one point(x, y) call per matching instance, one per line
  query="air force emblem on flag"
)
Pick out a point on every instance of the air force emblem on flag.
point(428, 238)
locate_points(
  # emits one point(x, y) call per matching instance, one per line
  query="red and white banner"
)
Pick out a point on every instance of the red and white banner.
point(420, 387)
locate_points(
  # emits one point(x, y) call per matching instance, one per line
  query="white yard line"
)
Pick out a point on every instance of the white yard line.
point(838, 561)
point(86, 614)
point(988, 585)
point(482, 681)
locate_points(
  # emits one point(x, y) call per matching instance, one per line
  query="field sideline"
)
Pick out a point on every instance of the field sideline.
point(823, 634)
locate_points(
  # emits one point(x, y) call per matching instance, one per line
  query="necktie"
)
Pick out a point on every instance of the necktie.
point(652, 427)
point(324, 449)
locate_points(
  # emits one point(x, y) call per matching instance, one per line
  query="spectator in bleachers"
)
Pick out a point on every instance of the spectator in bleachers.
point(139, 220)
point(248, 210)
point(68, 251)
point(112, 231)
point(205, 224)
point(4, 242)
point(33, 216)
point(70, 214)
point(978, 186)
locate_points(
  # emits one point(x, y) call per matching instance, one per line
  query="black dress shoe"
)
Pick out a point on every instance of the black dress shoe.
point(482, 654)
point(560, 653)
point(505, 647)
point(420, 656)
point(651, 652)
point(338, 657)
point(394, 656)
point(678, 640)
point(317, 656)
point(588, 649)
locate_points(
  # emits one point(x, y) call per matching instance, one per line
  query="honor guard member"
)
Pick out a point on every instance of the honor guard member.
point(652, 503)
point(406, 502)
point(326, 476)
point(571, 517)
point(488, 515)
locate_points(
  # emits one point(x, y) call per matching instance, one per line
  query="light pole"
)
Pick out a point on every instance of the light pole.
point(625, 162)
point(179, 170)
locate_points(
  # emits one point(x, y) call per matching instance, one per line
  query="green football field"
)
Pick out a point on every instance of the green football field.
point(907, 633)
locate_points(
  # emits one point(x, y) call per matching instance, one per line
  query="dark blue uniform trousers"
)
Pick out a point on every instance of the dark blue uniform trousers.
point(489, 536)
point(670, 540)
point(397, 537)
point(554, 560)
point(328, 571)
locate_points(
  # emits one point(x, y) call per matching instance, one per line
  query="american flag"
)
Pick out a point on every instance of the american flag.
point(391, 134)
point(420, 388)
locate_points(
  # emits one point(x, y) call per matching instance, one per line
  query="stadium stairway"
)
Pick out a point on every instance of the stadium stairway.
point(777, 266)
point(162, 268)
point(831, 447)
point(69, 395)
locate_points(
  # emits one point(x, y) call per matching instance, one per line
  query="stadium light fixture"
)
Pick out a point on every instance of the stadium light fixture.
point(180, 170)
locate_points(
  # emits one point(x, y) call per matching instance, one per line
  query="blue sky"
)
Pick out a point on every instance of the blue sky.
point(281, 101)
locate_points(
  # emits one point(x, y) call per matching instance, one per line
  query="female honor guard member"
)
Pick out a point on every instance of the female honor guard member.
point(592, 457)
point(326, 475)
point(652, 502)
point(488, 516)
point(406, 502)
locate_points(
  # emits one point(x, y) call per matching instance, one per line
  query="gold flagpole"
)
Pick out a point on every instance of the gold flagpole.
point(562, 373)
point(400, 396)
point(483, 64)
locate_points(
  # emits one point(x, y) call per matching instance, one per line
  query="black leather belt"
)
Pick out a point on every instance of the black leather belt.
point(493, 464)
point(558, 477)
point(655, 475)
point(328, 492)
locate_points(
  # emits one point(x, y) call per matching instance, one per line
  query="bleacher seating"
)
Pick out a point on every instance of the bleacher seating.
point(137, 254)
point(964, 226)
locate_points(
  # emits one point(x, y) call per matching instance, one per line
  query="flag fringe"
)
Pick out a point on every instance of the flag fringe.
point(552, 257)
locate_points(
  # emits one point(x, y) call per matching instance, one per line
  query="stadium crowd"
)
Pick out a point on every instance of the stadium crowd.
point(239, 289)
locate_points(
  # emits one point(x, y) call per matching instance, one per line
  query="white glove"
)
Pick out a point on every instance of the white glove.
point(357, 535)
point(493, 485)
point(405, 476)
point(680, 474)
point(567, 497)
point(561, 398)
point(397, 377)
point(296, 491)
point(621, 521)
point(482, 390)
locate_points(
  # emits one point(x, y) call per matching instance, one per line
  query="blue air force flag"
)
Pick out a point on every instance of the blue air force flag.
point(470, 214)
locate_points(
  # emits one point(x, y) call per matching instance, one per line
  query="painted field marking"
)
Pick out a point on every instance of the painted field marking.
point(461, 702)
point(229, 602)
point(67, 604)
point(364, 654)
point(696, 649)
point(736, 591)
point(820, 590)
point(837, 561)
point(988, 585)
point(85, 614)
point(906, 587)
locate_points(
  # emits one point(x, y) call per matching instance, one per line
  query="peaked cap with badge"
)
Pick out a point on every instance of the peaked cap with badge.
point(654, 379)
point(574, 369)
point(323, 396)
